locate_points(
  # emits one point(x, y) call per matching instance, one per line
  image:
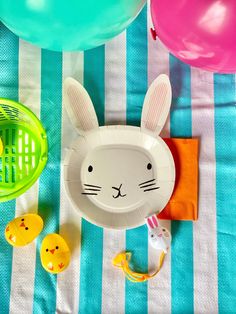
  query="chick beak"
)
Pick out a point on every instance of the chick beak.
point(52, 251)
point(22, 224)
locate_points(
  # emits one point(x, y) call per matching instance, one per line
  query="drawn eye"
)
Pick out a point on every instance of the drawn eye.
point(149, 166)
point(57, 247)
point(26, 228)
point(90, 168)
point(22, 219)
point(152, 235)
point(46, 250)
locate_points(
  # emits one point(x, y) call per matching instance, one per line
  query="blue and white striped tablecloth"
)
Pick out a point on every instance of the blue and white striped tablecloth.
point(199, 274)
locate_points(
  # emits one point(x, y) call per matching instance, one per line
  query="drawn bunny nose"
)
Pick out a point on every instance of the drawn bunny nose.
point(52, 251)
point(119, 192)
point(117, 189)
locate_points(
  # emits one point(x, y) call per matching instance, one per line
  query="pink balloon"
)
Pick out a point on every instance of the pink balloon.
point(201, 33)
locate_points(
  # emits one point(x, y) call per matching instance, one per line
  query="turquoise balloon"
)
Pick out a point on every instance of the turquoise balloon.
point(66, 25)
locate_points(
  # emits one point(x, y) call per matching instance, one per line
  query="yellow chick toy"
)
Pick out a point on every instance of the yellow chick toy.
point(24, 229)
point(54, 253)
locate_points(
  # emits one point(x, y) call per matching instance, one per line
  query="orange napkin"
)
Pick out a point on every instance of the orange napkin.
point(183, 204)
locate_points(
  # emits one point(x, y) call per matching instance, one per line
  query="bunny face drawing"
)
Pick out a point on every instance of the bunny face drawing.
point(117, 175)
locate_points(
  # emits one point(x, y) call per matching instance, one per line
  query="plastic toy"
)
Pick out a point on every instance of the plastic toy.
point(74, 25)
point(159, 237)
point(54, 253)
point(198, 32)
point(23, 230)
point(24, 149)
point(122, 261)
point(116, 176)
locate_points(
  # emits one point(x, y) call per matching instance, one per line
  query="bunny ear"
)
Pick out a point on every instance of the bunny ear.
point(79, 106)
point(152, 222)
point(155, 221)
point(156, 105)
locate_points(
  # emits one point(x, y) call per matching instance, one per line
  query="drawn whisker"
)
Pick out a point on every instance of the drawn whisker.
point(146, 186)
point(89, 189)
point(93, 186)
point(84, 193)
point(152, 189)
point(147, 182)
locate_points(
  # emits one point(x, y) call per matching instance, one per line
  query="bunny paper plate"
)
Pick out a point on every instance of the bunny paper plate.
point(116, 176)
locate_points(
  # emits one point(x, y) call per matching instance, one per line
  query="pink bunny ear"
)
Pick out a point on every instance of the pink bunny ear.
point(156, 105)
point(155, 221)
point(79, 106)
point(149, 223)
point(152, 222)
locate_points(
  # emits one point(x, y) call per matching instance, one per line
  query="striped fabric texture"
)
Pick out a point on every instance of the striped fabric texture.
point(199, 273)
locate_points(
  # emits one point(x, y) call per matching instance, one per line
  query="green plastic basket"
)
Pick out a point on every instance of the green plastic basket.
point(25, 149)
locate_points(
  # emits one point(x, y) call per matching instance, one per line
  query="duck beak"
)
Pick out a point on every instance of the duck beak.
point(52, 251)
point(22, 224)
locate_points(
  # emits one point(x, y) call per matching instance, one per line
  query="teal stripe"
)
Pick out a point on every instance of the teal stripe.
point(9, 48)
point(94, 79)
point(90, 299)
point(136, 297)
point(182, 231)
point(225, 146)
point(49, 183)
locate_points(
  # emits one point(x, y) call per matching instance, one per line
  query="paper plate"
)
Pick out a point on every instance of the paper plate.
point(116, 176)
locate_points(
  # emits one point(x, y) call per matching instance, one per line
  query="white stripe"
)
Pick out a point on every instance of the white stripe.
point(23, 264)
point(70, 221)
point(113, 279)
point(158, 63)
point(205, 246)
point(113, 284)
point(115, 78)
point(159, 288)
point(30, 76)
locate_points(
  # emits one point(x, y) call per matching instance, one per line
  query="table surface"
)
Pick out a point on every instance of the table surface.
point(199, 274)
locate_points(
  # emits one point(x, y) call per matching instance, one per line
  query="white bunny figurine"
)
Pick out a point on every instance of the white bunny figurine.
point(117, 175)
point(159, 237)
